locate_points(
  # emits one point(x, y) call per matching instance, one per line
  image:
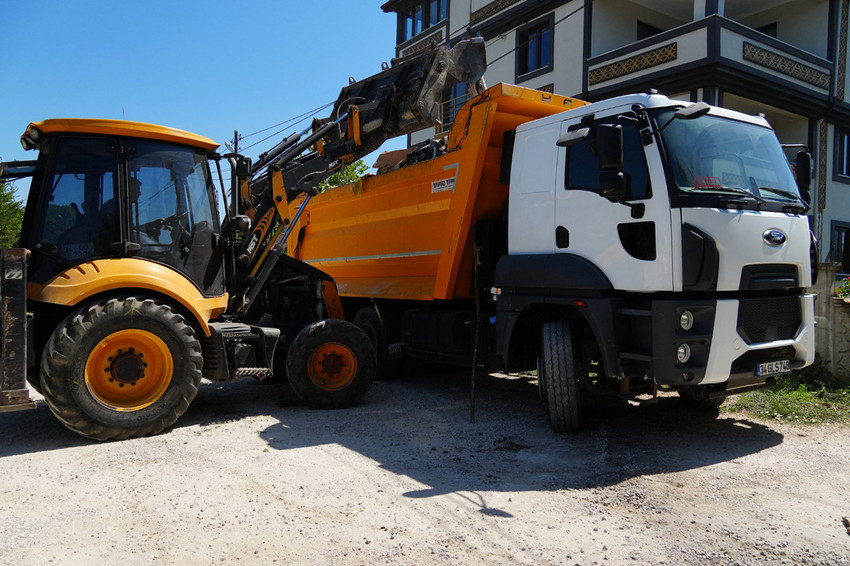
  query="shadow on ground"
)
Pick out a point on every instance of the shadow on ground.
point(420, 427)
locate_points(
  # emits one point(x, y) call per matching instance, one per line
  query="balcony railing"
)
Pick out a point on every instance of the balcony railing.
point(705, 45)
point(448, 111)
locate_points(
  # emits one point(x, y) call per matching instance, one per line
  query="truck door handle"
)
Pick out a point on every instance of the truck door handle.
point(562, 237)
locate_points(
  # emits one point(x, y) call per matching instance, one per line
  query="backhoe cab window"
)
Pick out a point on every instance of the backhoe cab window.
point(172, 211)
point(81, 181)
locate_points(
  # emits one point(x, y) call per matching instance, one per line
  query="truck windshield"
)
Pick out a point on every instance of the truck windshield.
point(728, 159)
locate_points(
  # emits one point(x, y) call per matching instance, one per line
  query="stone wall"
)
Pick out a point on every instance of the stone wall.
point(832, 317)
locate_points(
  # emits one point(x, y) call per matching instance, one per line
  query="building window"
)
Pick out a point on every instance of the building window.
point(769, 29)
point(535, 49)
point(419, 16)
point(645, 30)
point(842, 156)
point(840, 245)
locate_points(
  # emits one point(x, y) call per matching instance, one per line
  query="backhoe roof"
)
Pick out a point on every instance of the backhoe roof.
point(121, 128)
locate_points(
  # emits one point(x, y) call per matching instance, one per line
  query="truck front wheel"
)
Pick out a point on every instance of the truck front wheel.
point(331, 364)
point(121, 368)
point(557, 377)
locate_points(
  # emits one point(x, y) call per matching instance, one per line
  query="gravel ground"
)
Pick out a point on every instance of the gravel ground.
point(248, 477)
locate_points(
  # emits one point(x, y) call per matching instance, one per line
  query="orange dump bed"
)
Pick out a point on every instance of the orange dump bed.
point(407, 234)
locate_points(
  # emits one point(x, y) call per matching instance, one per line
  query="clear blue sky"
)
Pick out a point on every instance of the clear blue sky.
point(209, 67)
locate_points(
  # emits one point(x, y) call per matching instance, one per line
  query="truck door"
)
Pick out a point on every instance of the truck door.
point(630, 241)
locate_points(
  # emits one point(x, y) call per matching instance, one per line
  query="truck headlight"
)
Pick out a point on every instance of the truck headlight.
point(683, 353)
point(686, 320)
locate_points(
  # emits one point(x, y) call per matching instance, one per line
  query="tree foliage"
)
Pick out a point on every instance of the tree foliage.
point(347, 174)
point(11, 216)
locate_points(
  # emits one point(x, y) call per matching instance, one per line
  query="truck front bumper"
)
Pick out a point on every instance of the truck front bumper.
point(742, 342)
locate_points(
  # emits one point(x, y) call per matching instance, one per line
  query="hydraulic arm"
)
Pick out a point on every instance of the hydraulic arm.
point(401, 99)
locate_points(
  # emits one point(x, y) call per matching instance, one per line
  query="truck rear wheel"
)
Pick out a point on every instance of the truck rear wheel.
point(558, 379)
point(121, 368)
point(331, 364)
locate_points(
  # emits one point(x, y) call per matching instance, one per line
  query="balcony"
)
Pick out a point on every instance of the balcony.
point(719, 52)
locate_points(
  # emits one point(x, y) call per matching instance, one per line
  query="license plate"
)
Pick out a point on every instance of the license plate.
point(768, 369)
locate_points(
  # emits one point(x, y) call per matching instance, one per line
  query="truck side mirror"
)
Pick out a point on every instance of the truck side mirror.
point(573, 137)
point(803, 167)
point(609, 147)
point(613, 185)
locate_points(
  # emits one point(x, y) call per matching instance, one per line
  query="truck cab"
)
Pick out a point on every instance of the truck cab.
point(679, 233)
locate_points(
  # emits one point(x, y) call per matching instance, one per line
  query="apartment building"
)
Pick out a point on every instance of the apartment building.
point(785, 59)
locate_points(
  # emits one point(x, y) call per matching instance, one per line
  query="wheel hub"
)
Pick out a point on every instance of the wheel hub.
point(127, 367)
point(332, 363)
point(129, 370)
point(332, 366)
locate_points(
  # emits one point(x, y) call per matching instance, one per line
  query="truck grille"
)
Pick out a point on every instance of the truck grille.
point(766, 320)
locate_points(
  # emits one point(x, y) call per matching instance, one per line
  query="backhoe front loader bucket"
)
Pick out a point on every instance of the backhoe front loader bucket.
point(14, 395)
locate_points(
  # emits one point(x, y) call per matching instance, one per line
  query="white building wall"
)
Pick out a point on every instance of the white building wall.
point(795, 23)
point(614, 24)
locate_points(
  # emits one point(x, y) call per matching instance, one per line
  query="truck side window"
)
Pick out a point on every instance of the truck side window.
point(582, 170)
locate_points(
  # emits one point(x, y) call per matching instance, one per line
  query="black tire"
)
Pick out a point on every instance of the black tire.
point(121, 368)
point(331, 364)
point(34, 378)
point(368, 321)
point(697, 397)
point(558, 379)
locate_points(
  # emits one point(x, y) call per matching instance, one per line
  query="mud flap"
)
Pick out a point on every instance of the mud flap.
point(14, 395)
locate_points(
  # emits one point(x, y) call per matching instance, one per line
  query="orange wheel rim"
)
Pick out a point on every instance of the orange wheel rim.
point(332, 366)
point(129, 370)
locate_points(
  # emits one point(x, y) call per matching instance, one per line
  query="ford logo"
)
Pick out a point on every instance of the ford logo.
point(774, 237)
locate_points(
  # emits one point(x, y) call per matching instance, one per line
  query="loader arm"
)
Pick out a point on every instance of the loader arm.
point(401, 99)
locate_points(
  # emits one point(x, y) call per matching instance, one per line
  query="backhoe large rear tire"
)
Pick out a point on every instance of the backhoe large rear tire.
point(331, 364)
point(121, 368)
point(558, 379)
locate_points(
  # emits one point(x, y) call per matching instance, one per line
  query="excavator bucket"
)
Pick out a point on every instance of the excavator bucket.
point(403, 98)
point(406, 97)
point(13, 330)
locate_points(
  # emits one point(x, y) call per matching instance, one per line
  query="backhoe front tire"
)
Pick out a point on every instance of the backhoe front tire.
point(121, 368)
point(558, 379)
point(331, 364)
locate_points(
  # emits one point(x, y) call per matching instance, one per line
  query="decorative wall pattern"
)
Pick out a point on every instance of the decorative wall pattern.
point(424, 45)
point(785, 65)
point(842, 51)
point(490, 9)
point(822, 175)
point(647, 60)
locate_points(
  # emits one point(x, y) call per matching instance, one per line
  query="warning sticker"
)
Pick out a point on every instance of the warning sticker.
point(443, 185)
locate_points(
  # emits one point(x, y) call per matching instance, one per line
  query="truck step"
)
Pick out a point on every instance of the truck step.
point(635, 356)
point(258, 372)
point(635, 312)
